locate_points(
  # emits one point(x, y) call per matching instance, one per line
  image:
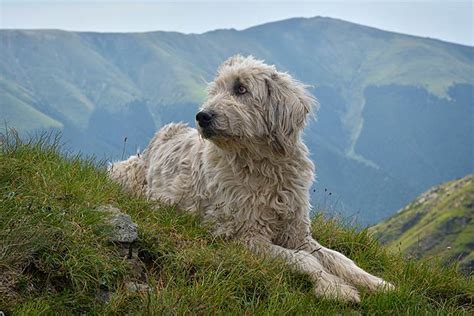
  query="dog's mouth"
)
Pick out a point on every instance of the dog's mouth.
point(212, 133)
point(207, 132)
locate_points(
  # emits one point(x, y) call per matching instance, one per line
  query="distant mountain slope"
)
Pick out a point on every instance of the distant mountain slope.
point(377, 89)
point(439, 223)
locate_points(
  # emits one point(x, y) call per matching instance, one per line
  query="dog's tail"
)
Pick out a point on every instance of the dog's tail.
point(130, 174)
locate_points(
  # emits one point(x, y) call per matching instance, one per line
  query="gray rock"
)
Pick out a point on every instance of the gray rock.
point(135, 287)
point(124, 230)
point(104, 296)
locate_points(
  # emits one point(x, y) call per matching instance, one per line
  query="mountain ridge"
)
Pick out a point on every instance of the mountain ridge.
point(322, 18)
point(247, 28)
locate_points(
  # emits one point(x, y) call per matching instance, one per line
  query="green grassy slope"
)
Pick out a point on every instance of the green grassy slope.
point(438, 224)
point(55, 258)
point(59, 68)
point(17, 109)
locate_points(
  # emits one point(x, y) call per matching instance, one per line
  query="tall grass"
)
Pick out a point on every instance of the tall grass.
point(55, 257)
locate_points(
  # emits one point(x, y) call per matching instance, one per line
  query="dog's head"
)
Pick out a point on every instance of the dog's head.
point(252, 104)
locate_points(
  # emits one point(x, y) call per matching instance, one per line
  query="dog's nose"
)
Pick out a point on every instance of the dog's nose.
point(204, 119)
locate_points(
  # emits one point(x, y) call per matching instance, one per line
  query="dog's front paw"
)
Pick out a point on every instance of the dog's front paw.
point(337, 291)
point(385, 286)
point(375, 284)
point(381, 286)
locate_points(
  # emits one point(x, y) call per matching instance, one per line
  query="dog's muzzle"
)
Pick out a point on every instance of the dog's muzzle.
point(204, 120)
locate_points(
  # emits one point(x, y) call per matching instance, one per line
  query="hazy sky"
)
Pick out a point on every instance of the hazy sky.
point(447, 20)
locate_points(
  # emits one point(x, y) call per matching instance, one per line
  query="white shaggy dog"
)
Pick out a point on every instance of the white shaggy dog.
point(247, 172)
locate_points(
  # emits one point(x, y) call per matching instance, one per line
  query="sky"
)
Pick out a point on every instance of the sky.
point(447, 20)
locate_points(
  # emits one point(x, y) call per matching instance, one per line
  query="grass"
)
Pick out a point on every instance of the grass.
point(55, 258)
point(441, 226)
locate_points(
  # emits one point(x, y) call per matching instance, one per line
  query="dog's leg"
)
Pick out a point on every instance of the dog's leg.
point(326, 285)
point(345, 268)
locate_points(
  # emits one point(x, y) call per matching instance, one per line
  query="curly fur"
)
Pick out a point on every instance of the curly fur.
point(248, 173)
point(130, 174)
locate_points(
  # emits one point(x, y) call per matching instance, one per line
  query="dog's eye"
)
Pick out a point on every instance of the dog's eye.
point(242, 90)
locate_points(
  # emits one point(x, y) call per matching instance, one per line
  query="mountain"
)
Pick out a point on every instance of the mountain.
point(439, 223)
point(396, 110)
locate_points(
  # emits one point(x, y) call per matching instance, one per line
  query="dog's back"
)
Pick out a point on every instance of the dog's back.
point(169, 169)
point(130, 174)
point(163, 171)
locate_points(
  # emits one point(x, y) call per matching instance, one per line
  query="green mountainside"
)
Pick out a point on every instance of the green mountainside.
point(56, 256)
point(395, 118)
point(437, 224)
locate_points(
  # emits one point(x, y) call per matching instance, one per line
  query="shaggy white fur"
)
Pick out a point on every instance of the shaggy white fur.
point(246, 171)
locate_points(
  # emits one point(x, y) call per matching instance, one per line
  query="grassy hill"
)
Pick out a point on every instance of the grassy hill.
point(437, 224)
point(55, 256)
point(98, 88)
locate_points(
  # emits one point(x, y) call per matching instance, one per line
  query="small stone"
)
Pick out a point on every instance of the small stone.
point(124, 230)
point(103, 296)
point(135, 287)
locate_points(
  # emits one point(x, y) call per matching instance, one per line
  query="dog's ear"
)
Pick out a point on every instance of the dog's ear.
point(288, 106)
